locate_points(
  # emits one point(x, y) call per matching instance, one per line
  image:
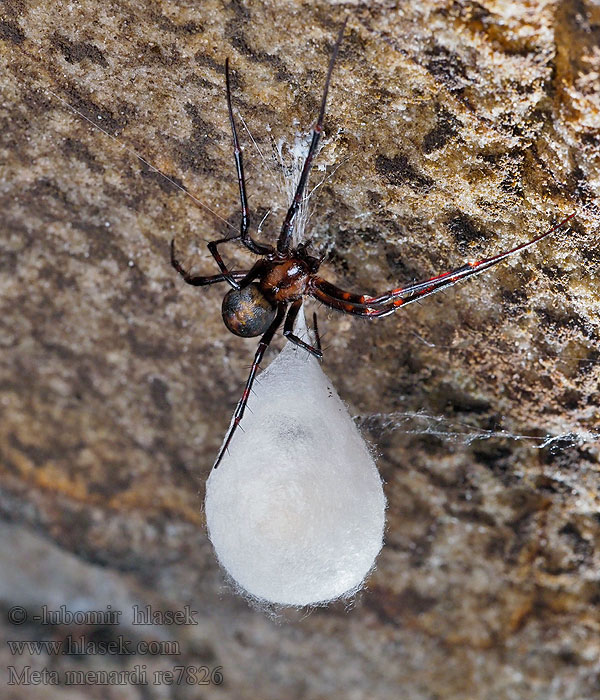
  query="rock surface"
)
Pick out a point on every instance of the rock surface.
point(454, 130)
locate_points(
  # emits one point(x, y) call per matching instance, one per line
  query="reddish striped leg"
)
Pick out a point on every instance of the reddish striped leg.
point(388, 302)
point(241, 406)
point(260, 351)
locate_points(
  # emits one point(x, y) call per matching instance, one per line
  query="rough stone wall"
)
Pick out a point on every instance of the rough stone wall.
point(454, 130)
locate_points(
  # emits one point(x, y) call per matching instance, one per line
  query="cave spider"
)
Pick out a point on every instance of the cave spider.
point(258, 302)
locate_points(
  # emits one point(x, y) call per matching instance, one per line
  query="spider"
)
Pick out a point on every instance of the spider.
point(258, 300)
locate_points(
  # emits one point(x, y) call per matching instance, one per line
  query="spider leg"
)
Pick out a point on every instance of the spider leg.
point(247, 240)
point(405, 295)
point(288, 330)
point(285, 237)
point(350, 307)
point(331, 290)
point(252, 274)
point(214, 251)
point(230, 276)
point(389, 301)
point(316, 331)
point(241, 406)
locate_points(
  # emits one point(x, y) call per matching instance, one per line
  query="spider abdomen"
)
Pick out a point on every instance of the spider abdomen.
point(247, 312)
point(285, 281)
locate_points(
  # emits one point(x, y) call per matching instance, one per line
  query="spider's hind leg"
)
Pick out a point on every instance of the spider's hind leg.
point(241, 406)
point(288, 330)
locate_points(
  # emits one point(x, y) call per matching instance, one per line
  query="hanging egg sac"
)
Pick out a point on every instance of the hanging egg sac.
point(295, 510)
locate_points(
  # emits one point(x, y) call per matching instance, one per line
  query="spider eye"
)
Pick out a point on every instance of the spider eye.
point(247, 312)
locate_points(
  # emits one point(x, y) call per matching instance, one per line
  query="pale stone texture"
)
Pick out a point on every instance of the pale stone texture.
point(458, 129)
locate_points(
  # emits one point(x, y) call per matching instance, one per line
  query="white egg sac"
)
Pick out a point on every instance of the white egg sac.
point(296, 510)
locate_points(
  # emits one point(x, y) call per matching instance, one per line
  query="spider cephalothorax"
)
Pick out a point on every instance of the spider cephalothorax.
point(249, 309)
point(258, 302)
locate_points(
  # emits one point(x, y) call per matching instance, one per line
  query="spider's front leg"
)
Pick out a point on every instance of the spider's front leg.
point(244, 235)
point(285, 237)
point(390, 301)
point(288, 330)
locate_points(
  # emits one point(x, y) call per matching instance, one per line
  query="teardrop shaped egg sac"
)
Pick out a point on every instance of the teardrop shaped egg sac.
point(296, 510)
